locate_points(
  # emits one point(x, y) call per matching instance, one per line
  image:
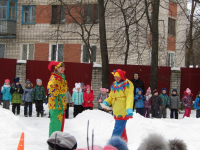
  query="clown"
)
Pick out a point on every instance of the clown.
point(57, 87)
point(121, 99)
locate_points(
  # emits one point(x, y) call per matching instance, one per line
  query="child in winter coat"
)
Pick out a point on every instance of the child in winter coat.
point(88, 97)
point(38, 96)
point(174, 104)
point(16, 90)
point(83, 87)
point(165, 103)
point(197, 105)
point(139, 101)
point(102, 96)
point(27, 98)
point(77, 99)
point(146, 111)
point(6, 95)
point(155, 103)
point(187, 102)
point(69, 101)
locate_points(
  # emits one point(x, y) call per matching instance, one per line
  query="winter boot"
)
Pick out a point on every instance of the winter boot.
point(38, 113)
point(42, 114)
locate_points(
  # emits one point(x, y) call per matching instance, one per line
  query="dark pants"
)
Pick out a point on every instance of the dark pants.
point(6, 104)
point(77, 110)
point(86, 108)
point(67, 112)
point(29, 106)
point(39, 105)
point(140, 111)
point(14, 107)
point(146, 112)
point(172, 113)
point(155, 113)
point(198, 113)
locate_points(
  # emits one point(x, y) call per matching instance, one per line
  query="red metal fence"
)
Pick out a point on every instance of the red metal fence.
point(145, 74)
point(74, 72)
point(190, 78)
point(7, 70)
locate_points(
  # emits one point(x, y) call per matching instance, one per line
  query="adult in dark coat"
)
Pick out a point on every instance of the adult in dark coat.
point(138, 83)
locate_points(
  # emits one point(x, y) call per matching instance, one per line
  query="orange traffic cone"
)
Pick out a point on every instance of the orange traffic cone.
point(21, 142)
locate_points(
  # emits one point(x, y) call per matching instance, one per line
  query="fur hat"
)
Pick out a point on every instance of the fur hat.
point(155, 91)
point(7, 80)
point(154, 142)
point(38, 80)
point(62, 141)
point(16, 79)
point(104, 90)
point(149, 90)
point(177, 144)
point(118, 143)
point(77, 85)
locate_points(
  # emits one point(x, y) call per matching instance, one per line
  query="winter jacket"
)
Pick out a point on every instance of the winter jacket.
point(77, 97)
point(187, 100)
point(165, 99)
point(197, 103)
point(101, 97)
point(88, 97)
point(6, 95)
point(155, 102)
point(121, 99)
point(138, 84)
point(27, 95)
point(146, 102)
point(57, 86)
point(38, 93)
point(174, 102)
point(139, 101)
point(16, 93)
point(68, 97)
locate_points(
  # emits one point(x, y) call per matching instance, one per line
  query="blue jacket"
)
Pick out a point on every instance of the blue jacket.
point(139, 99)
point(165, 99)
point(77, 97)
point(6, 95)
point(196, 103)
point(27, 97)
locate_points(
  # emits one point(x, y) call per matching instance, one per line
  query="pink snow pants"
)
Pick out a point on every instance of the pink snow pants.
point(187, 112)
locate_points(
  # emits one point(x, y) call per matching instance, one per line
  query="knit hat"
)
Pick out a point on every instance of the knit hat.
point(118, 143)
point(7, 80)
point(56, 64)
point(16, 79)
point(38, 80)
point(87, 86)
point(82, 84)
point(149, 90)
point(28, 81)
point(62, 141)
point(174, 90)
point(138, 89)
point(155, 91)
point(77, 85)
point(188, 90)
point(119, 73)
point(104, 90)
point(164, 89)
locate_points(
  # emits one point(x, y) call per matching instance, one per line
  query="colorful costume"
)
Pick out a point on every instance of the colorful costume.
point(121, 99)
point(57, 86)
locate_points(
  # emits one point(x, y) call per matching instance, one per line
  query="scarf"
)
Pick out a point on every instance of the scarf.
point(7, 86)
point(88, 92)
point(174, 94)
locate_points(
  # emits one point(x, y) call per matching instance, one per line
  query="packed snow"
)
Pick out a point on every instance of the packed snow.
point(36, 129)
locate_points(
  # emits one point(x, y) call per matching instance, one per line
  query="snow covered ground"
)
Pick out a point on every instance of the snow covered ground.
point(36, 129)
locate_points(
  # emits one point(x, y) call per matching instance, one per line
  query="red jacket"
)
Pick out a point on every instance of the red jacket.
point(88, 97)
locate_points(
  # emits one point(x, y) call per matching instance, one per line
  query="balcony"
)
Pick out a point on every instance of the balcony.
point(7, 29)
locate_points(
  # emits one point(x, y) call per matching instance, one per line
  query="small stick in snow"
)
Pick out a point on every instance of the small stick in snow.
point(87, 135)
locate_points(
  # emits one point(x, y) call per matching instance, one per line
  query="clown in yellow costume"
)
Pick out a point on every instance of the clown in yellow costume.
point(121, 99)
point(57, 87)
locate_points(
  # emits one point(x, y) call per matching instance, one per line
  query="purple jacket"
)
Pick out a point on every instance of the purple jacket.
point(146, 102)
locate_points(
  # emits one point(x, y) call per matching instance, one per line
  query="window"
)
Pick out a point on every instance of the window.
point(2, 50)
point(57, 52)
point(8, 9)
point(171, 26)
point(27, 51)
point(85, 57)
point(28, 14)
point(91, 14)
point(170, 59)
point(173, 1)
point(58, 14)
point(150, 56)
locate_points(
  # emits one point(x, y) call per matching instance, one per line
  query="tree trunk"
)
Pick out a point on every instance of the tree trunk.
point(103, 45)
point(155, 43)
